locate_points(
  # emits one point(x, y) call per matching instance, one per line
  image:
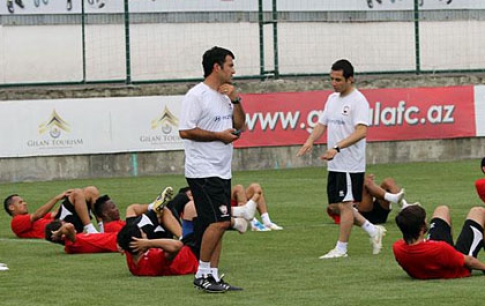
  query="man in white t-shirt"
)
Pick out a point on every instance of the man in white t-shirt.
point(211, 119)
point(345, 118)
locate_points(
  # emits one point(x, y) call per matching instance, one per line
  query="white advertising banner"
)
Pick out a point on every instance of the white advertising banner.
point(35, 7)
point(89, 126)
point(480, 110)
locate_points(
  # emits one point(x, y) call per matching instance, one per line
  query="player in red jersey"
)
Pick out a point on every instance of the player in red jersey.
point(82, 243)
point(106, 210)
point(26, 225)
point(480, 183)
point(435, 256)
point(155, 257)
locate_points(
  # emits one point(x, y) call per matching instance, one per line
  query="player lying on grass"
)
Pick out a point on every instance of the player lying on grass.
point(148, 255)
point(434, 256)
point(76, 243)
point(377, 200)
point(74, 208)
point(109, 214)
point(82, 243)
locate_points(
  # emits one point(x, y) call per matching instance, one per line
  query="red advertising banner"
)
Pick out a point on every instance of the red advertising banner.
point(280, 119)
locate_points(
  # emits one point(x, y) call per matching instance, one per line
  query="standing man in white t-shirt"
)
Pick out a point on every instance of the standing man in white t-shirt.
point(211, 119)
point(345, 118)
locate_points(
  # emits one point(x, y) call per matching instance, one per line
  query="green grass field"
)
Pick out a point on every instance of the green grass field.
point(275, 268)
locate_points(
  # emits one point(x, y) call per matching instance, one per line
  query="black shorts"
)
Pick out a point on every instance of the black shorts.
point(338, 184)
point(470, 241)
point(439, 230)
point(68, 214)
point(212, 199)
point(378, 214)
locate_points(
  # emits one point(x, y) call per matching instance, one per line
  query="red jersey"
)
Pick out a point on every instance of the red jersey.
point(335, 217)
point(92, 243)
point(154, 263)
point(24, 228)
point(114, 226)
point(430, 259)
point(480, 186)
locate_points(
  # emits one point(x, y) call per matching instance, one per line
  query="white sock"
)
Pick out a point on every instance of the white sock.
point(150, 206)
point(369, 228)
point(240, 225)
point(237, 211)
point(341, 247)
point(391, 197)
point(90, 229)
point(265, 218)
point(215, 274)
point(101, 227)
point(204, 269)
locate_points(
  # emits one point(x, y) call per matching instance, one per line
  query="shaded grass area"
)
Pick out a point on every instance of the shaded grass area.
point(275, 268)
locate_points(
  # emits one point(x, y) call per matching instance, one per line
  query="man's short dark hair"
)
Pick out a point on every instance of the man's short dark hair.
point(52, 227)
point(483, 164)
point(99, 204)
point(125, 236)
point(411, 221)
point(345, 66)
point(7, 202)
point(216, 55)
point(184, 189)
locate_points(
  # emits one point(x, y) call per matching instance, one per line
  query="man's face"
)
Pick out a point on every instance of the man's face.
point(227, 70)
point(18, 206)
point(111, 211)
point(339, 83)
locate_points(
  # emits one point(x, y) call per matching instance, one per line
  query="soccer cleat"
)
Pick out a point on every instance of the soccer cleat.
point(273, 226)
point(411, 204)
point(227, 286)
point(257, 226)
point(334, 253)
point(209, 284)
point(162, 200)
point(3, 267)
point(376, 241)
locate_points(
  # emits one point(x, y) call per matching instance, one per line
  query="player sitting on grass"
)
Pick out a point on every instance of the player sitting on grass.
point(435, 256)
point(240, 196)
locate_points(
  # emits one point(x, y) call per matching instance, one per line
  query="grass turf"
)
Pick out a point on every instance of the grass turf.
point(274, 268)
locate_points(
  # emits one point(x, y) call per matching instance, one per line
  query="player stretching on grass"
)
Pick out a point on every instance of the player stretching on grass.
point(435, 256)
point(345, 118)
point(75, 208)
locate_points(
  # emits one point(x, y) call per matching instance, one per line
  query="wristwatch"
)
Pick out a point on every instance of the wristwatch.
point(236, 101)
point(337, 148)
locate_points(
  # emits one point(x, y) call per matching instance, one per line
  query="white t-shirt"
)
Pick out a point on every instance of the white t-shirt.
point(208, 110)
point(341, 116)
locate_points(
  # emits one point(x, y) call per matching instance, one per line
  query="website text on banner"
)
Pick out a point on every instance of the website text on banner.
point(280, 119)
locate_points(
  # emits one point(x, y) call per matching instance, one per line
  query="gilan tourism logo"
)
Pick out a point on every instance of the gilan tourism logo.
point(166, 123)
point(51, 134)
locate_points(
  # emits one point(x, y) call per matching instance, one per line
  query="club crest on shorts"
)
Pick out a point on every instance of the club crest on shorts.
point(223, 210)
